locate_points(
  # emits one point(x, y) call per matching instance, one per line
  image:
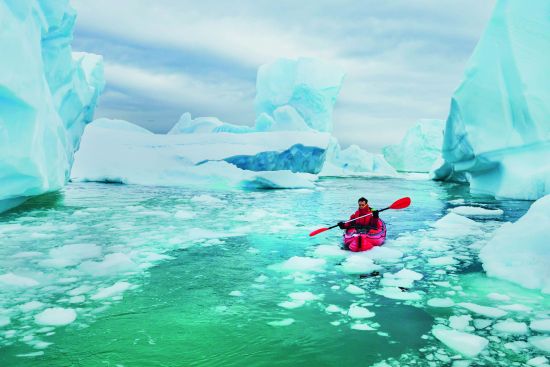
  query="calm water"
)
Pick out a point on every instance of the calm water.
point(206, 275)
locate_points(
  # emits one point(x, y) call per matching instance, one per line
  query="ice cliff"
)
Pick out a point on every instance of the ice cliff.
point(497, 135)
point(419, 149)
point(47, 96)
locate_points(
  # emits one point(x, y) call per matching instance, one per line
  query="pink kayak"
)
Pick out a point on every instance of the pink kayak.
point(355, 241)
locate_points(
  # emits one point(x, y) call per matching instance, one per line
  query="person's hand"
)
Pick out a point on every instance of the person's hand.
point(341, 225)
point(375, 213)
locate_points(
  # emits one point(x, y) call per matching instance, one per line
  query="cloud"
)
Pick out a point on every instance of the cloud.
point(403, 59)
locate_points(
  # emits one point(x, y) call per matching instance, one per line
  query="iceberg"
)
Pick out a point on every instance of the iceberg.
point(497, 135)
point(119, 151)
point(47, 95)
point(297, 95)
point(419, 149)
point(354, 161)
point(519, 252)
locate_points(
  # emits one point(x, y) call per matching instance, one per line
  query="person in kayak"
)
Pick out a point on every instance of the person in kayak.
point(362, 224)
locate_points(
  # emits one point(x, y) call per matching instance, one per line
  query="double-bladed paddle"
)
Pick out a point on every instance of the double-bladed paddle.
point(398, 204)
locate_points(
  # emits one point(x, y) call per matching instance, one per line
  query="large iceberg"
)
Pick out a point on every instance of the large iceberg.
point(519, 252)
point(419, 149)
point(119, 151)
point(47, 96)
point(497, 135)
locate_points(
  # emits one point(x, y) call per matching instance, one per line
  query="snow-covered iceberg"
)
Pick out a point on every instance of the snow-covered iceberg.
point(354, 161)
point(519, 252)
point(497, 134)
point(47, 95)
point(419, 149)
point(119, 151)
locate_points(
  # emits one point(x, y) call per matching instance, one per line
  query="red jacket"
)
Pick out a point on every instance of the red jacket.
point(366, 221)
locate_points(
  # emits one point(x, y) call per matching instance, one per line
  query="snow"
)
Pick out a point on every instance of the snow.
point(48, 95)
point(511, 327)
point(419, 149)
point(55, 316)
point(468, 345)
point(497, 133)
point(526, 265)
point(542, 325)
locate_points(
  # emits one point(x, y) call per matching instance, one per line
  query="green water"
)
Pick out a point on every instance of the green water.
point(204, 287)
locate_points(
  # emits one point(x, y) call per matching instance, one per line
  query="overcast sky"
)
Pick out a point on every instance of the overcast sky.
point(403, 58)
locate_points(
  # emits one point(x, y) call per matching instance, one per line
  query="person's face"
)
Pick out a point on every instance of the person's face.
point(362, 204)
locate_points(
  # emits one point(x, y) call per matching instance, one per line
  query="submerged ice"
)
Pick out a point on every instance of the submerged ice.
point(47, 95)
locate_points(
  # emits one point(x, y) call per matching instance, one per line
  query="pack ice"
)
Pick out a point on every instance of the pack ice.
point(497, 134)
point(47, 95)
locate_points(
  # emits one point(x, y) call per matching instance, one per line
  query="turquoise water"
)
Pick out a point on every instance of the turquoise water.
point(205, 278)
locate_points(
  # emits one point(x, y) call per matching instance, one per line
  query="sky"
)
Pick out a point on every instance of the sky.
point(403, 59)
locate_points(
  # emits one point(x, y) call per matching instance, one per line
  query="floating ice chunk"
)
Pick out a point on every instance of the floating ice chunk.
point(184, 214)
point(460, 322)
point(70, 255)
point(474, 211)
point(383, 253)
point(330, 252)
point(538, 361)
point(292, 304)
point(334, 309)
point(358, 312)
point(498, 297)
point(362, 327)
point(396, 282)
point(284, 322)
point(356, 264)
point(304, 296)
point(542, 326)
point(396, 293)
point(80, 290)
point(516, 307)
point(468, 345)
point(442, 261)
point(353, 289)
point(261, 278)
point(31, 306)
point(440, 302)
point(30, 355)
point(511, 327)
point(236, 294)
point(55, 316)
point(482, 323)
point(77, 299)
point(518, 346)
point(453, 225)
point(111, 264)
point(112, 291)
point(486, 311)
point(27, 254)
point(206, 199)
point(406, 274)
point(526, 265)
point(540, 342)
point(11, 279)
point(298, 263)
point(4, 320)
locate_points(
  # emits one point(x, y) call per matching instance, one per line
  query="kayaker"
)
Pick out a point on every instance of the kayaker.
point(362, 224)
